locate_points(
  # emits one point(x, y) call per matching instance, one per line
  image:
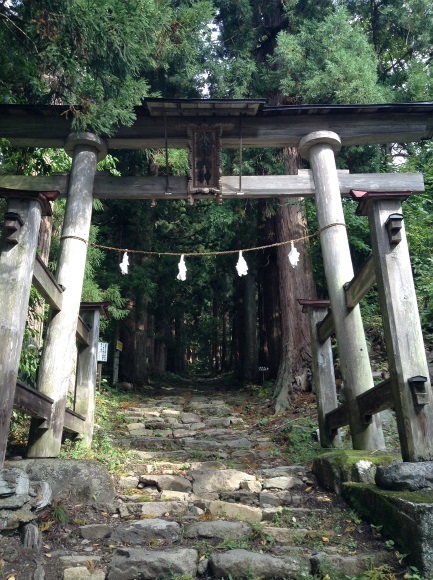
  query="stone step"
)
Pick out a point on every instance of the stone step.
point(204, 495)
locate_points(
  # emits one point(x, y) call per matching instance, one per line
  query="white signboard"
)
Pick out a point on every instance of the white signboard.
point(102, 351)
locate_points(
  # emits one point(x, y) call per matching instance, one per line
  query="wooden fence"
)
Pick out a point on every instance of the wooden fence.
point(20, 266)
point(33, 402)
point(408, 389)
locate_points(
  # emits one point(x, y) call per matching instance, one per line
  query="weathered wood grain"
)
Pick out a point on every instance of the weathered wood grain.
point(58, 355)
point(375, 400)
point(73, 422)
point(32, 402)
point(46, 285)
point(325, 327)
point(337, 418)
point(83, 332)
point(16, 269)
point(26, 126)
point(402, 330)
point(319, 148)
point(358, 287)
point(86, 374)
point(107, 186)
point(323, 375)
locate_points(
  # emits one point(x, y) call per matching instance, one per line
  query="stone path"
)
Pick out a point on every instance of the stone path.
point(207, 496)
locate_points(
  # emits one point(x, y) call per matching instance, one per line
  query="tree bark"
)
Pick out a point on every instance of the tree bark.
point(294, 283)
point(248, 330)
point(270, 298)
point(133, 335)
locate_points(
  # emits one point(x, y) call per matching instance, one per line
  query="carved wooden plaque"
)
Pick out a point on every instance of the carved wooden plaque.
point(204, 158)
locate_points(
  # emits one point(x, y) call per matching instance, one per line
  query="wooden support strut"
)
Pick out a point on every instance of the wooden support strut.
point(373, 401)
point(87, 369)
point(402, 330)
point(323, 371)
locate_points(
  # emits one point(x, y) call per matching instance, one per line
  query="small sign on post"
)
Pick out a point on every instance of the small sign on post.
point(102, 352)
point(263, 370)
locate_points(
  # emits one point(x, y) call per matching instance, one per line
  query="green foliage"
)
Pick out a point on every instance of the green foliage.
point(327, 61)
point(401, 34)
point(31, 352)
point(28, 161)
point(100, 57)
point(60, 514)
point(105, 447)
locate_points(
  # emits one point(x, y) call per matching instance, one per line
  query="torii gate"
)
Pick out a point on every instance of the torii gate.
point(204, 126)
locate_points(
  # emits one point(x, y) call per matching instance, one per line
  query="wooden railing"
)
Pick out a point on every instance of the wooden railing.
point(375, 399)
point(408, 389)
point(30, 400)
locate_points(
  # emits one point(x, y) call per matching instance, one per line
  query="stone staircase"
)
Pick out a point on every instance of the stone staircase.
point(209, 497)
point(205, 494)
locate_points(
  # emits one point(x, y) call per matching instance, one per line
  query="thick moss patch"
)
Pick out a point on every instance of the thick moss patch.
point(337, 467)
point(348, 458)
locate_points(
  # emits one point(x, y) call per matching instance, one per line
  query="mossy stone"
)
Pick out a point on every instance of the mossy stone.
point(405, 517)
point(337, 467)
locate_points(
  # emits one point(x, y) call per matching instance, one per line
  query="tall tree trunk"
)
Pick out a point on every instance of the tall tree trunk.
point(216, 352)
point(270, 295)
point(225, 352)
point(179, 347)
point(248, 342)
point(160, 357)
point(133, 333)
point(294, 283)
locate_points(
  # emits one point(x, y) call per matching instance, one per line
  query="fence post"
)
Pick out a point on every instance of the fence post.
point(57, 359)
point(87, 370)
point(319, 147)
point(21, 230)
point(323, 370)
point(402, 328)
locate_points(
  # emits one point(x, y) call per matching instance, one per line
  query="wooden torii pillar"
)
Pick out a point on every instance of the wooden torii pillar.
point(58, 356)
point(21, 230)
point(84, 400)
point(410, 383)
point(319, 148)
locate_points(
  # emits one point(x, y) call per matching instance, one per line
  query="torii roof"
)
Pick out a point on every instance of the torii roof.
point(262, 126)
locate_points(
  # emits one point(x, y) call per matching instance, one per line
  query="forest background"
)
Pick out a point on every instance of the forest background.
point(102, 57)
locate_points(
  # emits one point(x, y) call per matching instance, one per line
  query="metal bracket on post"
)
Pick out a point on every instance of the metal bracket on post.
point(393, 226)
point(12, 227)
point(419, 391)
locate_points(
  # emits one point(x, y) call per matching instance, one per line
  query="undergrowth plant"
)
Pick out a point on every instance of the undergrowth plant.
point(108, 420)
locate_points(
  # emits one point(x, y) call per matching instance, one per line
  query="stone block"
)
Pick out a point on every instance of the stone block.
point(337, 467)
point(405, 517)
point(283, 482)
point(406, 476)
point(235, 511)
point(167, 482)
point(339, 566)
point(245, 564)
point(218, 529)
point(210, 481)
point(95, 531)
point(151, 564)
point(143, 531)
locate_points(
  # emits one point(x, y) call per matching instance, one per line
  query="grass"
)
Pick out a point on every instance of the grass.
point(110, 406)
